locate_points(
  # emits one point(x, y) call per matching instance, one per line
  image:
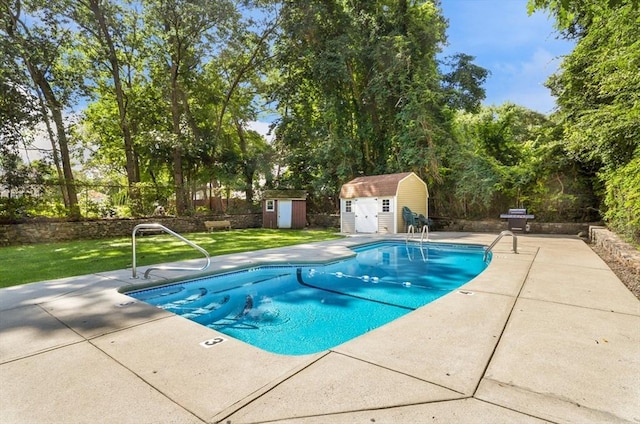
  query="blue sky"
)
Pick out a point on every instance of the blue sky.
point(521, 51)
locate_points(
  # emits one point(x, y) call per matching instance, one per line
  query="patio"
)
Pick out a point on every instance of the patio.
point(549, 334)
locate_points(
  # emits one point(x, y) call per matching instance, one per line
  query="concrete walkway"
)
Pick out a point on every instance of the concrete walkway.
point(547, 335)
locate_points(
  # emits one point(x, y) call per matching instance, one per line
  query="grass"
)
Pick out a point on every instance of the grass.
point(40, 262)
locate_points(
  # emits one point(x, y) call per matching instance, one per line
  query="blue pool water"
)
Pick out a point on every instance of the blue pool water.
point(302, 309)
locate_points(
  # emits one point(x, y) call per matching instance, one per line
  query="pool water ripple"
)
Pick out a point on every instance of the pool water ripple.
point(296, 310)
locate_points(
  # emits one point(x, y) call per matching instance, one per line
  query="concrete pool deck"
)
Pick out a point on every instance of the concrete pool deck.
point(547, 335)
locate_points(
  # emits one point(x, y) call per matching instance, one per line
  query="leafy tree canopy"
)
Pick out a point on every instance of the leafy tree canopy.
point(359, 90)
point(598, 91)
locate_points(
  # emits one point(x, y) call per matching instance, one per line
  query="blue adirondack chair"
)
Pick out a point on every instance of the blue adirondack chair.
point(410, 218)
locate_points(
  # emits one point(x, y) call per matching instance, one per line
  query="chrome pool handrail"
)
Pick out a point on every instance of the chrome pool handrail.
point(502, 234)
point(412, 230)
point(155, 226)
point(425, 229)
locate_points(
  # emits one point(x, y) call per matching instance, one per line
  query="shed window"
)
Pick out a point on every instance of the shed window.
point(271, 205)
point(386, 205)
point(347, 206)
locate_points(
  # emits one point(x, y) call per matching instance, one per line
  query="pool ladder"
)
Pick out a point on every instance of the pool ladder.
point(412, 230)
point(502, 234)
point(159, 227)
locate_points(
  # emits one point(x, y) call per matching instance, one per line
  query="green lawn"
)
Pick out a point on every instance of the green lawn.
point(29, 263)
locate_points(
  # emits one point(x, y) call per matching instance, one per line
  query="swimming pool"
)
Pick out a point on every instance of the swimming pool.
point(303, 309)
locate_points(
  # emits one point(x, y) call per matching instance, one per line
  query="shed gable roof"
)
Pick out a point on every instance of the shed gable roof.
point(375, 185)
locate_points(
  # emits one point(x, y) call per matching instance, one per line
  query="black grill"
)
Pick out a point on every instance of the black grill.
point(517, 219)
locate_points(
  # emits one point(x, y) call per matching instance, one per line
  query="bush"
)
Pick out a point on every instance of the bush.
point(623, 200)
point(12, 208)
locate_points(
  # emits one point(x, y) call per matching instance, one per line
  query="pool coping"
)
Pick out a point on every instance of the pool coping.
point(549, 334)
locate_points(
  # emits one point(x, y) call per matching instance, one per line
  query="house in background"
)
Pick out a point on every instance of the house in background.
point(284, 209)
point(374, 204)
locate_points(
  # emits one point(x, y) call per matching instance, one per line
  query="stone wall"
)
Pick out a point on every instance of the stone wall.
point(618, 248)
point(53, 231)
point(323, 220)
point(490, 226)
point(573, 228)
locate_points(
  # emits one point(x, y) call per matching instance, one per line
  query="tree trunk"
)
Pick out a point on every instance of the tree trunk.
point(44, 88)
point(133, 176)
point(247, 166)
point(56, 113)
point(54, 150)
point(178, 174)
point(178, 179)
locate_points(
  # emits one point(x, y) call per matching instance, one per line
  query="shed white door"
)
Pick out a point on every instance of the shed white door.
point(366, 210)
point(284, 213)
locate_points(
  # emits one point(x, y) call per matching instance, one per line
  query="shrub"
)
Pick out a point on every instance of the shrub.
point(623, 200)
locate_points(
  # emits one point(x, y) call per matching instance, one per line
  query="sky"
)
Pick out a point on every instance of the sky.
point(519, 50)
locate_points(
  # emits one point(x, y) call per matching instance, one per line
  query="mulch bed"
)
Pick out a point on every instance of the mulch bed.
point(629, 275)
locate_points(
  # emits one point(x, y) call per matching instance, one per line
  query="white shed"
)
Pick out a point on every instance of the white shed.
point(374, 204)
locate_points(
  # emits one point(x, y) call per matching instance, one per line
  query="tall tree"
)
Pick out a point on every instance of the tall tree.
point(463, 83)
point(42, 40)
point(16, 116)
point(111, 47)
point(360, 90)
point(187, 33)
point(240, 71)
point(598, 90)
point(16, 104)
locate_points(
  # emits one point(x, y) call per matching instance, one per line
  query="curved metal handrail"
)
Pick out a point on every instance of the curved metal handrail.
point(425, 229)
point(412, 230)
point(502, 234)
point(161, 227)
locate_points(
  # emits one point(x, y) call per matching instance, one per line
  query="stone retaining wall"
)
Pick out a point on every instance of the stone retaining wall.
point(618, 248)
point(573, 228)
point(323, 220)
point(53, 231)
